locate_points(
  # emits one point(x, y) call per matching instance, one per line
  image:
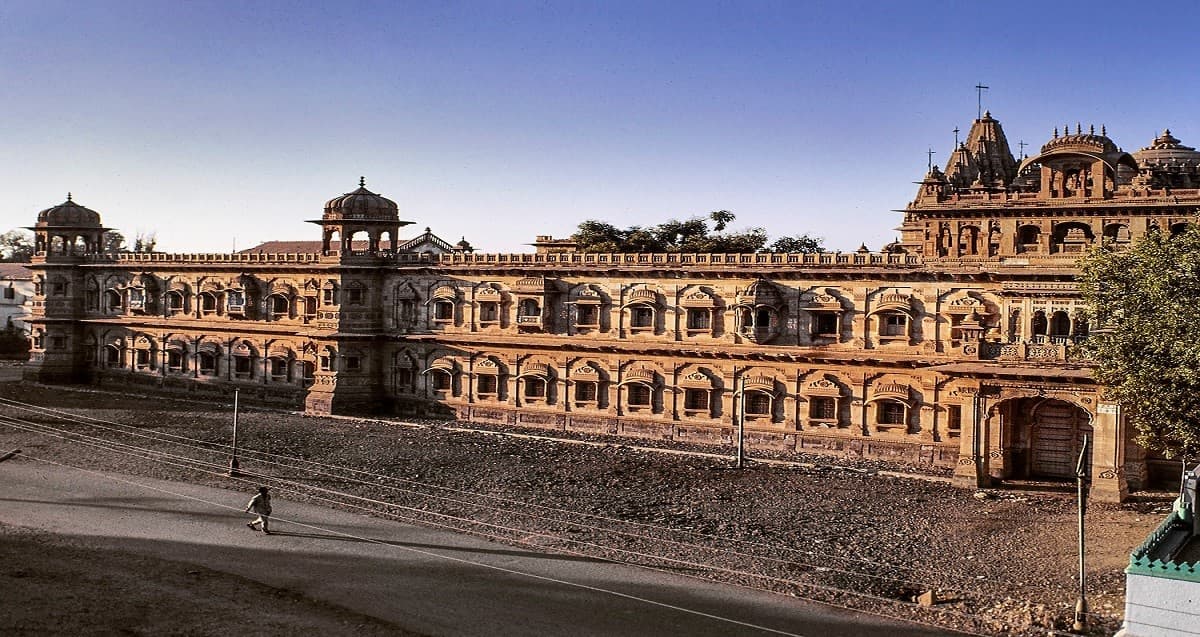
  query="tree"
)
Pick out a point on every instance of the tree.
point(692, 235)
point(799, 243)
point(1147, 350)
point(16, 246)
point(115, 242)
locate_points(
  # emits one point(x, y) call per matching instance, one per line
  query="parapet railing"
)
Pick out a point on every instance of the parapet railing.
point(1133, 196)
point(682, 258)
point(763, 259)
point(1141, 560)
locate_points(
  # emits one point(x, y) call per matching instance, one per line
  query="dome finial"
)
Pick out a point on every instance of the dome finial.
point(362, 182)
point(68, 196)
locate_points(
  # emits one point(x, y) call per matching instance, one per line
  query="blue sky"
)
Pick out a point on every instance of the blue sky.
point(216, 122)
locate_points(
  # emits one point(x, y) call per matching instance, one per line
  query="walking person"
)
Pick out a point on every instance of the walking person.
point(260, 505)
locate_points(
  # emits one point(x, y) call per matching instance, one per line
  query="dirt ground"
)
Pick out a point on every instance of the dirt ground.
point(835, 530)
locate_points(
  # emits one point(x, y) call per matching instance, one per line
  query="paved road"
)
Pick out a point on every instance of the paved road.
point(424, 580)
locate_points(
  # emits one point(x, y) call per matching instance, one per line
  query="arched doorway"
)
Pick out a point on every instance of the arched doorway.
point(1045, 436)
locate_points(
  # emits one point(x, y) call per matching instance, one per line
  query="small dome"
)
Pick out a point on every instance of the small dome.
point(68, 214)
point(1166, 149)
point(361, 204)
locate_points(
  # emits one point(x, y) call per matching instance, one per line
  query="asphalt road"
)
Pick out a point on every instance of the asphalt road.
point(425, 580)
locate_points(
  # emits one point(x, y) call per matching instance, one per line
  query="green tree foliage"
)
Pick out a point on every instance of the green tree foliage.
point(16, 246)
point(115, 242)
point(1147, 349)
point(692, 235)
point(799, 243)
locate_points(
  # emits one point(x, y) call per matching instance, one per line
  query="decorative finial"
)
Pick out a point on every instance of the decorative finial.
point(68, 196)
point(427, 230)
point(1103, 130)
point(362, 182)
point(1055, 132)
point(1078, 129)
point(1091, 129)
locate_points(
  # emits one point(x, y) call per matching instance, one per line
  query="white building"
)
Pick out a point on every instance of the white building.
point(1162, 582)
point(16, 295)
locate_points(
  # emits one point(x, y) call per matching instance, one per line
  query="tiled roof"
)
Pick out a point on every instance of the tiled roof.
point(15, 271)
point(294, 247)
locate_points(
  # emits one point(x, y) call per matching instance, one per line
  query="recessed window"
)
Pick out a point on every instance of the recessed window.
point(587, 315)
point(641, 317)
point(175, 360)
point(279, 369)
point(207, 363)
point(208, 303)
point(894, 324)
point(585, 391)
point(638, 395)
point(441, 380)
point(535, 388)
point(954, 420)
point(695, 399)
point(354, 296)
point(243, 367)
point(443, 311)
point(486, 384)
point(826, 324)
point(58, 342)
point(891, 412)
point(489, 312)
point(352, 363)
point(699, 319)
point(758, 403)
point(822, 408)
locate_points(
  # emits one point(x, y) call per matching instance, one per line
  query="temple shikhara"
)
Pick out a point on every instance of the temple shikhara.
point(952, 346)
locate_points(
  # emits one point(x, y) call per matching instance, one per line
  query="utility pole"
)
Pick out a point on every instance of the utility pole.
point(1081, 605)
point(233, 461)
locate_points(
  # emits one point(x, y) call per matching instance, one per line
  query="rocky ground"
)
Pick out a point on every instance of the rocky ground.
point(832, 529)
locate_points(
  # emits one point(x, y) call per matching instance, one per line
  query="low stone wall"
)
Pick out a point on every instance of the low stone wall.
point(274, 395)
point(915, 452)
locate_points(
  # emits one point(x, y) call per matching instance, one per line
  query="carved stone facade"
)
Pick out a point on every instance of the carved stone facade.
point(953, 346)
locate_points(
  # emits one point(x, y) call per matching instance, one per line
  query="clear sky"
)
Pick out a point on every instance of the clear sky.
point(216, 122)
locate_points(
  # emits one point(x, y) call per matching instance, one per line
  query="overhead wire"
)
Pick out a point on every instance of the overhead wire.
point(471, 521)
point(81, 419)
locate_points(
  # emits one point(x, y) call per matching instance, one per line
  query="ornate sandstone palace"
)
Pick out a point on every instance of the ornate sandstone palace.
point(952, 346)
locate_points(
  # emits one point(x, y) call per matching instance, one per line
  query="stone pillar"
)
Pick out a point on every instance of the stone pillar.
point(1110, 483)
point(972, 471)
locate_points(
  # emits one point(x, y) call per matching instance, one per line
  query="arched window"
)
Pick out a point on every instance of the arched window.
point(487, 385)
point(696, 400)
point(1060, 326)
point(758, 403)
point(489, 312)
point(586, 392)
point(893, 324)
point(278, 307)
point(823, 409)
point(443, 311)
point(535, 388)
point(207, 363)
point(638, 396)
point(174, 302)
point(208, 303)
point(1039, 325)
point(529, 308)
point(112, 301)
point(441, 380)
point(641, 317)
point(112, 356)
point(176, 360)
point(891, 413)
point(278, 368)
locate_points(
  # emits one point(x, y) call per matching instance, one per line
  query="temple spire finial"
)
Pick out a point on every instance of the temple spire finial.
point(362, 182)
point(979, 89)
point(68, 196)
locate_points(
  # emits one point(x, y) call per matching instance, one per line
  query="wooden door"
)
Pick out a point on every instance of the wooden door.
point(1058, 430)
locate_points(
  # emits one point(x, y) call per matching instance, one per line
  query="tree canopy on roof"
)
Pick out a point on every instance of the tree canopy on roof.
point(691, 235)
